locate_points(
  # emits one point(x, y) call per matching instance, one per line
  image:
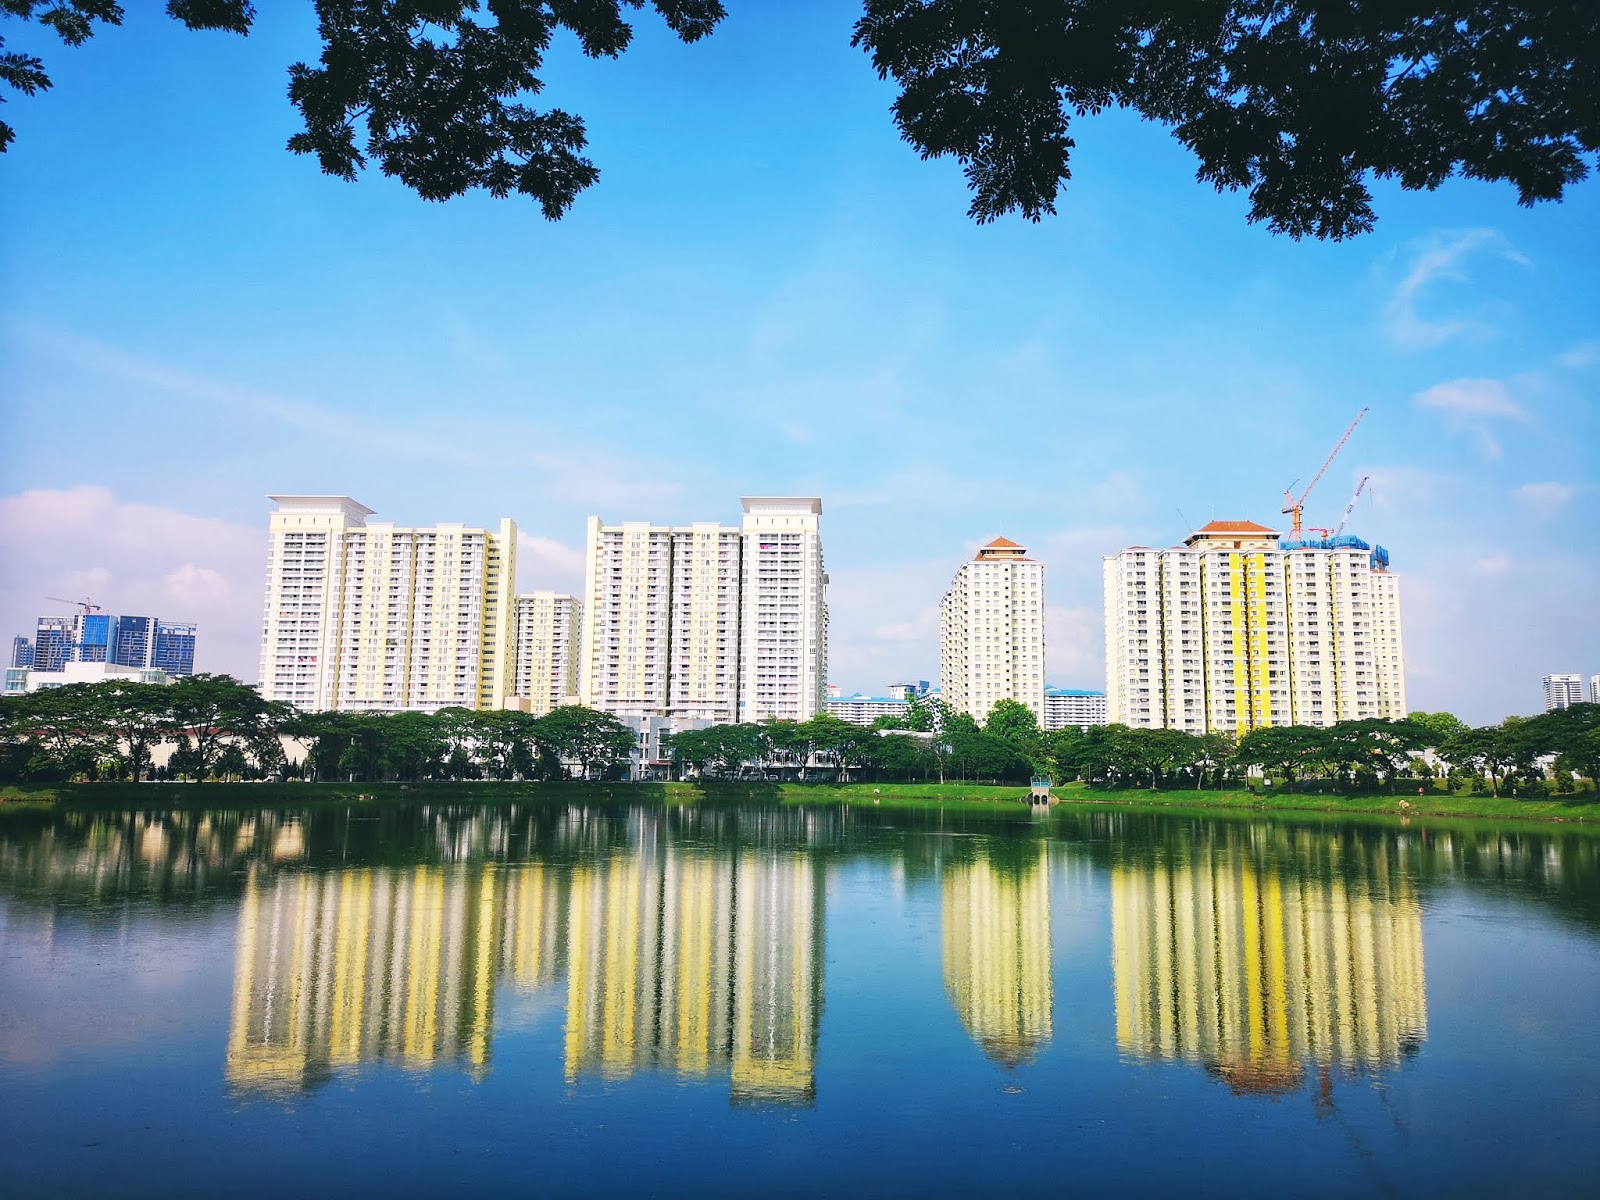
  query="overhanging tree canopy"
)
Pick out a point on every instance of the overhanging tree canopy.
point(1299, 103)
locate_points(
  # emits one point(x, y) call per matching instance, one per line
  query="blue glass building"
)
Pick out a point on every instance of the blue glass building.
point(133, 641)
point(174, 648)
point(21, 652)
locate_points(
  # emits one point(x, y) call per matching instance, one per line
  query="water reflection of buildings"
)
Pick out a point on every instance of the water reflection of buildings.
point(339, 968)
point(1255, 965)
point(696, 960)
point(697, 965)
point(997, 952)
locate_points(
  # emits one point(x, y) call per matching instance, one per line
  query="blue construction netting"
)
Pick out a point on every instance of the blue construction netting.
point(1345, 541)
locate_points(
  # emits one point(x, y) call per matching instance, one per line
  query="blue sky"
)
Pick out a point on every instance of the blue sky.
point(767, 292)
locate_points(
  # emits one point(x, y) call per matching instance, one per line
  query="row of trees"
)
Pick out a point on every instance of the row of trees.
point(1528, 754)
point(219, 728)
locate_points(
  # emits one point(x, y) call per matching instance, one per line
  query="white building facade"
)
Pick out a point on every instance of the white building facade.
point(546, 672)
point(1232, 631)
point(1562, 691)
point(367, 615)
point(783, 655)
point(707, 623)
point(991, 632)
point(1073, 708)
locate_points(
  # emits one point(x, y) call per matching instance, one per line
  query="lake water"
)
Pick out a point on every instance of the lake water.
point(781, 1001)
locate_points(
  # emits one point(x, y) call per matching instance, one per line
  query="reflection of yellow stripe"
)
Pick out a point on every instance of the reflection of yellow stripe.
point(579, 968)
point(1250, 901)
point(483, 972)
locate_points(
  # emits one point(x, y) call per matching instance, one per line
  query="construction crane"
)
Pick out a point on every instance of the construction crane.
point(1296, 507)
point(1351, 507)
point(88, 606)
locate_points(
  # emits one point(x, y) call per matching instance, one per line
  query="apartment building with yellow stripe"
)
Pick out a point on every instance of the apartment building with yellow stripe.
point(363, 614)
point(1234, 630)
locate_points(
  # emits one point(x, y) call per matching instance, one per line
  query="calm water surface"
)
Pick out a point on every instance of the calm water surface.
point(725, 1001)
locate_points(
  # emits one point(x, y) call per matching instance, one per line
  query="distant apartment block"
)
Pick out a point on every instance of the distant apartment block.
point(1072, 707)
point(21, 651)
point(363, 614)
point(1233, 631)
point(991, 632)
point(864, 710)
point(707, 622)
point(1594, 689)
point(1563, 691)
point(547, 629)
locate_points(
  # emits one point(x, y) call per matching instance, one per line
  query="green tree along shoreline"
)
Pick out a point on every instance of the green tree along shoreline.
point(21, 801)
point(212, 728)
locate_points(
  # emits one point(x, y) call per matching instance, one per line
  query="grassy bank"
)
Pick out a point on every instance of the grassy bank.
point(16, 799)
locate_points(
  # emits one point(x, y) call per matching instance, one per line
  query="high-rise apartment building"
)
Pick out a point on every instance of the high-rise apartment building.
point(1594, 689)
point(546, 651)
point(21, 651)
point(1562, 691)
point(367, 615)
point(707, 622)
point(783, 656)
point(991, 632)
point(1233, 630)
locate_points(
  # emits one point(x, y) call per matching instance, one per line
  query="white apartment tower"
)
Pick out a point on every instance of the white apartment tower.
point(1562, 691)
point(366, 615)
point(783, 655)
point(1233, 631)
point(707, 622)
point(547, 631)
point(991, 632)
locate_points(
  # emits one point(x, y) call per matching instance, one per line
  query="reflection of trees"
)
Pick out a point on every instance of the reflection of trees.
point(673, 958)
point(997, 951)
point(1255, 951)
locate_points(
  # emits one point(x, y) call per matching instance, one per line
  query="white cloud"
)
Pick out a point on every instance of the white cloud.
point(797, 432)
point(1074, 646)
point(546, 565)
point(1494, 564)
point(1472, 397)
point(86, 543)
point(1442, 258)
point(1584, 354)
point(1472, 406)
point(1545, 499)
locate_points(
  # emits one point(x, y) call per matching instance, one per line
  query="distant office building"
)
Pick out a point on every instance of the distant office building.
point(1233, 631)
point(173, 650)
point(367, 615)
point(1064, 707)
point(707, 622)
point(1562, 691)
point(1594, 689)
point(547, 654)
point(991, 632)
point(97, 637)
point(53, 640)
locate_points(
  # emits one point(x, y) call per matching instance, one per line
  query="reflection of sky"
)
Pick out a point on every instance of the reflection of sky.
point(72, 987)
